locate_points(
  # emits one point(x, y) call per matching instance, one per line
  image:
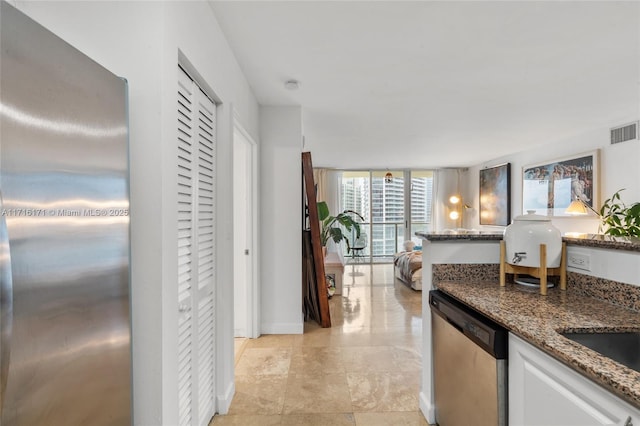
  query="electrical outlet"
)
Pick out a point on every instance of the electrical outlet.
point(579, 261)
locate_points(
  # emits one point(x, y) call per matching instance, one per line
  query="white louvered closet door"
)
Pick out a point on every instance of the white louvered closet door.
point(196, 252)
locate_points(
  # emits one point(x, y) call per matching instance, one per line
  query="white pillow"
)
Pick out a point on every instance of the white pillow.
point(408, 245)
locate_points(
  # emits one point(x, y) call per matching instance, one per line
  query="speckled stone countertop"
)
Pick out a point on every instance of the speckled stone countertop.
point(454, 237)
point(603, 241)
point(538, 319)
point(585, 240)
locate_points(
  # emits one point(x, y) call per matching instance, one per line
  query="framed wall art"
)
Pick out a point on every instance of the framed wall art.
point(495, 195)
point(548, 188)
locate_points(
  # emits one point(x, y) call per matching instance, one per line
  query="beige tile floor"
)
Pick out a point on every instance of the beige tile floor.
point(364, 371)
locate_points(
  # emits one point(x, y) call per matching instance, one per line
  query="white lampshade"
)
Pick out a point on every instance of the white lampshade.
point(577, 207)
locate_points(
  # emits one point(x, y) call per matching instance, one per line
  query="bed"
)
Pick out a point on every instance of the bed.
point(408, 268)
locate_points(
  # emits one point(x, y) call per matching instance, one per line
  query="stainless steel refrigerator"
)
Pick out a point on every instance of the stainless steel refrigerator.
point(65, 355)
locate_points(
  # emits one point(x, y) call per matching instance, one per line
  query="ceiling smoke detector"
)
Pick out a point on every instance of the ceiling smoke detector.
point(291, 84)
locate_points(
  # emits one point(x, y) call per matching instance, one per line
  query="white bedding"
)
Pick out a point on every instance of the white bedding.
point(408, 268)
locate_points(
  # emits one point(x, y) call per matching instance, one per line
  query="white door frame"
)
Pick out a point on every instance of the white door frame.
point(253, 291)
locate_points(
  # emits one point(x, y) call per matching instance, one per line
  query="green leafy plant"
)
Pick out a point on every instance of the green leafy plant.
point(332, 226)
point(620, 219)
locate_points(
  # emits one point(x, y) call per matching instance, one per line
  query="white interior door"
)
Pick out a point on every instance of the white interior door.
point(240, 235)
point(196, 252)
point(244, 216)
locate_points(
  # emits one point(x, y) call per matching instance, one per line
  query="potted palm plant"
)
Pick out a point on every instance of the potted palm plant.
point(331, 227)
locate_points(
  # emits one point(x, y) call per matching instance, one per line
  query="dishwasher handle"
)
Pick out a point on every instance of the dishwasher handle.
point(454, 324)
point(490, 336)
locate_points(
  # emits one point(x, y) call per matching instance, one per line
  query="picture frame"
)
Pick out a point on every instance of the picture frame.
point(548, 188)
point(495, 195)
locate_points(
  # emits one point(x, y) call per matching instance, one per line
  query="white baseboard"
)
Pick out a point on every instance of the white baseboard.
point(282, 328)
point(224, 401)
point(428, 410)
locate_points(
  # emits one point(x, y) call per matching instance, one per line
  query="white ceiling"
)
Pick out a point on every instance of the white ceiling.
point(387, 84)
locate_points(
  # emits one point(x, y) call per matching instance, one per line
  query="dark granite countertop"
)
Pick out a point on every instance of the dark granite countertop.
point(537, 319)
point(584, 240)
point(603, 241)
point(456, 237)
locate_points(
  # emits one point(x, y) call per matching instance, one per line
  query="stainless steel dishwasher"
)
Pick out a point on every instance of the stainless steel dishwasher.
point(469, 365)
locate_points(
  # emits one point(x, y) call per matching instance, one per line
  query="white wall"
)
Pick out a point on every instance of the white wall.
point(281, 219)
point(447, 182)
point(616, 265)
point(140, 41)
point(618, 169)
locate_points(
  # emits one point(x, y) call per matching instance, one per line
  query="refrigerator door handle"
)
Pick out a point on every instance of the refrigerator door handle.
point(6, 303)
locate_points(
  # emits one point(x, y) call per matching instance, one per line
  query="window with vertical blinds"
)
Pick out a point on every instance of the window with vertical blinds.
point(196, 145)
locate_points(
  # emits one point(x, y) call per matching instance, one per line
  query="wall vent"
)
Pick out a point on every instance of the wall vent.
point(626, 132)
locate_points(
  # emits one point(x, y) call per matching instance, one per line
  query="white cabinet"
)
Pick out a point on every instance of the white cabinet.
point(544, 392)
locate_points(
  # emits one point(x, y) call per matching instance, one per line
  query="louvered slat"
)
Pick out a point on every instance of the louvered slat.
point(185, 250)
point(196, 139)
point(206, 255)
point(206, 191)
point(206, 353)
point(184, 368)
